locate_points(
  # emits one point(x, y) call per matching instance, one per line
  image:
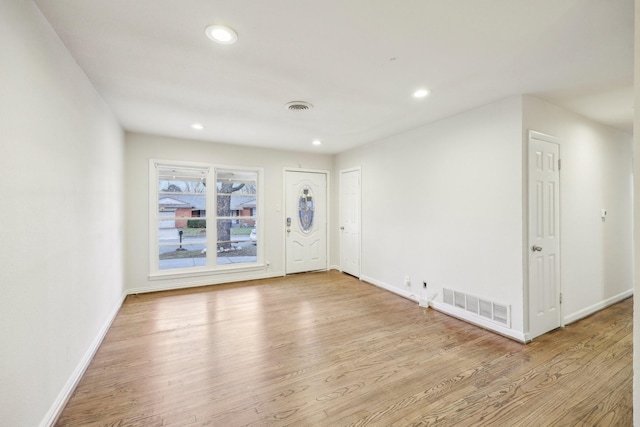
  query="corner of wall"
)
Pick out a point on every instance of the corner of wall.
point(67, 391)
point(636, 194)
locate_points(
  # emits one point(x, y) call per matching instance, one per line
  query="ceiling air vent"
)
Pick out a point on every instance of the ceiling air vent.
point(298, 106)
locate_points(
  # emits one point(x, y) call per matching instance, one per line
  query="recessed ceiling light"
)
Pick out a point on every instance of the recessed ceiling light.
point(317, 142)
point(420, 93)
point(197, 126)
point(221, 34)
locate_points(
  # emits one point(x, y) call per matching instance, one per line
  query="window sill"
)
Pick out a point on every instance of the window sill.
point(197, 272)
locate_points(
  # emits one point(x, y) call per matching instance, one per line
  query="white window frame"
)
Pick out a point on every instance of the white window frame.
point(211, 266)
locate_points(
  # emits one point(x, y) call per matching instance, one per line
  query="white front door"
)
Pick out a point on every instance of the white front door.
point(350, 221)
point(544, 234)
point(305, 221)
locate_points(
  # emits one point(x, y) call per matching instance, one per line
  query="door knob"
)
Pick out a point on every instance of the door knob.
point(342, 228)
point(535, 248)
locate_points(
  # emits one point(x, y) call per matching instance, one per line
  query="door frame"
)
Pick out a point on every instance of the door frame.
point(347, 170)
point(535, 135)
point(284, 213)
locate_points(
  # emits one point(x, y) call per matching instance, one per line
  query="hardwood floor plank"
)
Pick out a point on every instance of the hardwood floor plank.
point(326, 349)
point(605, 374)
point(501, 406)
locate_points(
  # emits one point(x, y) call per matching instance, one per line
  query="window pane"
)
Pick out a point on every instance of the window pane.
point(182, 205)
point(306, 209)
point(236, 182)
point(236, 193)
point(182, 180)
point(237, 241)
point(182, 208)
point(182, 256)
point(186, 235)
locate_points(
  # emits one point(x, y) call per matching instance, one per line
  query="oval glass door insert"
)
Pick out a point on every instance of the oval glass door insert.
point(305, 209)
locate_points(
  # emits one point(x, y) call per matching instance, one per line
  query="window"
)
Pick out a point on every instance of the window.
point(200, 227)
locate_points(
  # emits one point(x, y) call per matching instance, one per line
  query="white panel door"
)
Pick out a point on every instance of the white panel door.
point(544, 234)
point(305, 221)
point(350, 221)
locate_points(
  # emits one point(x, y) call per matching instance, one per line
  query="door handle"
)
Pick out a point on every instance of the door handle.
point(342, 228)
point(535, 248)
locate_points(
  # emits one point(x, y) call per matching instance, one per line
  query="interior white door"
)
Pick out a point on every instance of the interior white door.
point(544, 234)
point(350, 203)
point(306, 221)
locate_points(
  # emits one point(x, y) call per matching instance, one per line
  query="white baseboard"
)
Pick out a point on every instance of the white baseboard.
point(65, 394)
point(405, 294)
point(478, 321)
point(570, 318)
point(209, 280)
point(451, 311)
point(335, 267)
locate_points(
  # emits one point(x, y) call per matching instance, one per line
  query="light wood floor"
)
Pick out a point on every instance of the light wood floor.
point(325, 349)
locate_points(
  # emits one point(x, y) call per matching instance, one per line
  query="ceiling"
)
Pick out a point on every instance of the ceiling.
point(356, 61)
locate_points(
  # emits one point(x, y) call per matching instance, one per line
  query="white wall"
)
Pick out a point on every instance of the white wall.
point(140, 148)
point(636, 224)
point(596, 255)
point(61, 199)
point(443, 203)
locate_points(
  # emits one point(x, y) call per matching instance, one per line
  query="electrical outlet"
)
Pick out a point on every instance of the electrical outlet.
point(407, 280)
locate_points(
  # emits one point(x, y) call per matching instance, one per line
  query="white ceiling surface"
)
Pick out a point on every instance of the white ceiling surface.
point(356, 61)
